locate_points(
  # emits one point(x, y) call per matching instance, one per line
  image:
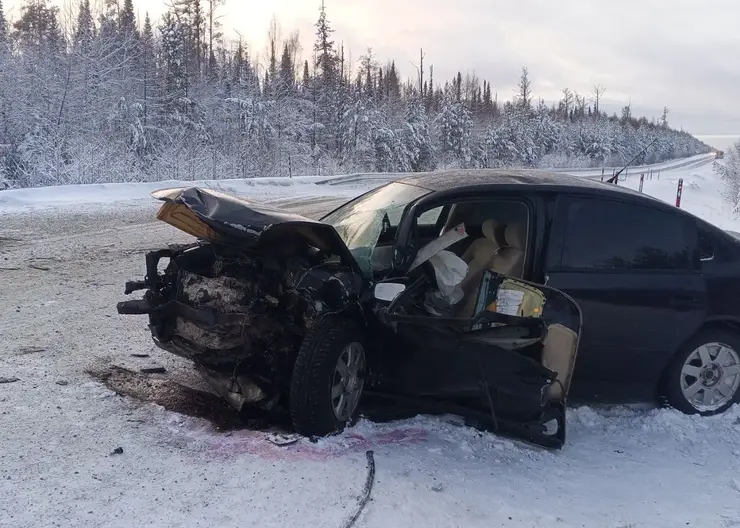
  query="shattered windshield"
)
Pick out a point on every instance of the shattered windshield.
point(361, 221)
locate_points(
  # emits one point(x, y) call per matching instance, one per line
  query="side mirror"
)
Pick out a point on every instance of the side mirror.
point(388, 291)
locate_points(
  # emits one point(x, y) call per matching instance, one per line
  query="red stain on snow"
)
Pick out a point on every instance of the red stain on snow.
point(256, 443)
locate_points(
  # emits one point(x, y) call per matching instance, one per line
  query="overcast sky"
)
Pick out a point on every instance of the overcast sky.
point(684, 54)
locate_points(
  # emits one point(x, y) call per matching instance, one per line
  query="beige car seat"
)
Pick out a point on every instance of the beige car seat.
point(559, 355)
point(510, 258)
point(479, 257)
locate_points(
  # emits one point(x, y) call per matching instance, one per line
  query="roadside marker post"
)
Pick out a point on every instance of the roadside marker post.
point(679, 191)
point(642, 180)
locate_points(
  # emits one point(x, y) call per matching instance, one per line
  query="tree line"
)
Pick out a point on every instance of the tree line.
point(104, 97)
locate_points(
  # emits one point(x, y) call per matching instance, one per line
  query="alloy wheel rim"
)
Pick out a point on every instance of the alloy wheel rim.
point(348, 381)
point(710, 376)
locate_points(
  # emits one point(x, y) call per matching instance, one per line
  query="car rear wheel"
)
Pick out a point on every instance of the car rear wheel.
point(704, 377)
point(328, 377)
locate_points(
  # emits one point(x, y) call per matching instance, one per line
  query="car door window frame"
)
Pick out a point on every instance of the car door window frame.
point(414, 210)
point(559, 232)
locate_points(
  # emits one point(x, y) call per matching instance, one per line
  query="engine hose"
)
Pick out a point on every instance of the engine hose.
point(365, 492)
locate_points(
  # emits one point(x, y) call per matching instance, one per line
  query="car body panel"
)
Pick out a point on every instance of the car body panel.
point(632, 322)
point(218, 217)
point(492, 362)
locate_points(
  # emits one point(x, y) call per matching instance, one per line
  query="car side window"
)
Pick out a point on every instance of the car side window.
point(611, 235)
point(715, 248)
point(429, 218)
point(706, 246)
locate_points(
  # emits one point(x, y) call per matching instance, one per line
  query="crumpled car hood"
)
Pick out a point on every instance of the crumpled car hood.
point(222, 218)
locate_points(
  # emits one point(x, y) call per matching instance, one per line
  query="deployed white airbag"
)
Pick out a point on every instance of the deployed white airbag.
point(449, 270)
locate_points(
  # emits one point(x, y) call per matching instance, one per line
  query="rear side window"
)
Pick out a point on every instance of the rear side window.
point(610, 235)
point(713, 247)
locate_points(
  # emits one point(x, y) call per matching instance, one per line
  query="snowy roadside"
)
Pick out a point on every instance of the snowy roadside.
point(702, 195)
point(622, 466)
point(107, 196)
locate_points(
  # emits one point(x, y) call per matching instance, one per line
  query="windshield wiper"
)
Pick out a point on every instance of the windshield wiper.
point(614, 178)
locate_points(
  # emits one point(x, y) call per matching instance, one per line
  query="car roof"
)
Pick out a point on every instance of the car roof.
point(490, 180)
point(498, 179)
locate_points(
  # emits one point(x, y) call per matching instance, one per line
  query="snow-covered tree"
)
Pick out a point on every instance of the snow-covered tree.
point(38, 27)
point(3, 30)
point(110, 98)
point(729, 170)
point(174, 57)
point(417, 139)
point(524, 90)
point(455, 125)
point(85, 29)
point(326, 55)
point(127, 21)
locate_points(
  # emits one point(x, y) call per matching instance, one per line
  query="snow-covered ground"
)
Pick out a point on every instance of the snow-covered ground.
point(59, 427)
point(132, 195)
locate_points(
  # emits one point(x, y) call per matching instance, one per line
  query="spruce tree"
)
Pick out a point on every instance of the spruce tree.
point(147, 62)
point(326, 59)
point(286, 71)
point(306, 81)
point(85, 29)
point(3, 29)
point(127, 21)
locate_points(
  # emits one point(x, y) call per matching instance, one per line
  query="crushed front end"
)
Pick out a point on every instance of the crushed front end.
point(239, 302)
point(238, 317)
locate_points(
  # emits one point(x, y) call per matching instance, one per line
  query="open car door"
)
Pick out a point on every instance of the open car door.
point(509, 365)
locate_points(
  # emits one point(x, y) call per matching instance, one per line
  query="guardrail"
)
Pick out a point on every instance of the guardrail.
point(602, 172)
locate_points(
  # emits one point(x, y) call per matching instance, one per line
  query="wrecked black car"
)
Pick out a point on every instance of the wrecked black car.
point(403, 293)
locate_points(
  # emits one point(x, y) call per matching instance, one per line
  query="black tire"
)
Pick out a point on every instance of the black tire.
point(670, 385)
point(311, 407)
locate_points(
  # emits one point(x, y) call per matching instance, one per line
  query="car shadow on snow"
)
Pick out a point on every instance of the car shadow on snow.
point(173, 396)
point(179, 398)
point(230, 433)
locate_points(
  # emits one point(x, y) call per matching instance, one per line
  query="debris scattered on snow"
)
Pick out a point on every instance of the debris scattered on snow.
point(117, 451)
point(153, 370)
point(9, 380)
point(62, 382)
point(30, 350)
point(140, 355)
point(282, 439)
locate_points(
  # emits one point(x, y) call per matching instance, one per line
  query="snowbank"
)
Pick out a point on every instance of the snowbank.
point(113, 194)
point(122, 194)
point(703, 193)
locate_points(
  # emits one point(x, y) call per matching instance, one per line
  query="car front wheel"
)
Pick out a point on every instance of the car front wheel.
point(328, 377)
point(704, 377)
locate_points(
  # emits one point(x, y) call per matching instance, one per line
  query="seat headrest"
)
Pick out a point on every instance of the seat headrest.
point(516, 236)
point(489, 229)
